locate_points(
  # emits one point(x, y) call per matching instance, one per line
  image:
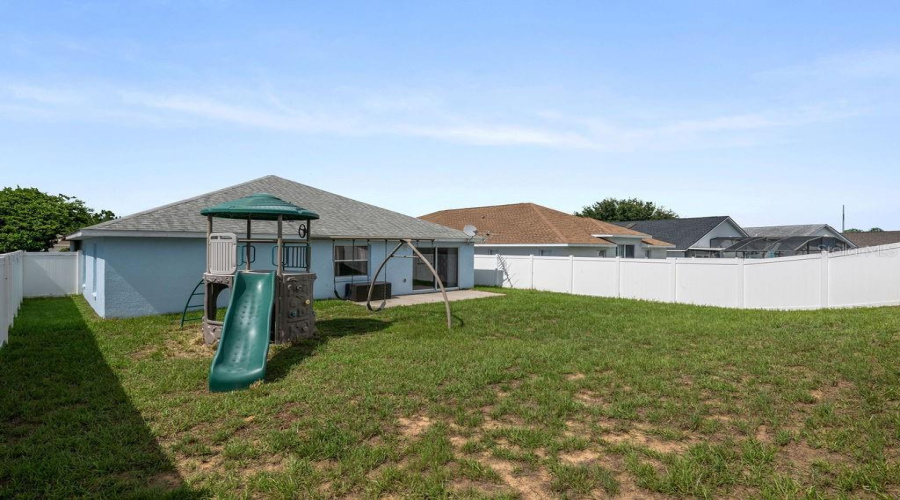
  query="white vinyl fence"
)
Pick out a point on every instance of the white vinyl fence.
point(51, 274)
point(34, 274)
point(853, 278)
point(11, 290)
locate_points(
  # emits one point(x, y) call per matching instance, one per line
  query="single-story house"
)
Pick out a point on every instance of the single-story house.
point(530, 229)
point(691, 236)
point(149, 262)
point(872, 238)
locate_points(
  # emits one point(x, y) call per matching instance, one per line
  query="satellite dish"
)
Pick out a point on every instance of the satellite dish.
point(470, 230)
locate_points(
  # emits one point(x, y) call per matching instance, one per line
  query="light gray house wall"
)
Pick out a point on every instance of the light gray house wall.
point(726, 229)
point(148, 263)
point(146, 276)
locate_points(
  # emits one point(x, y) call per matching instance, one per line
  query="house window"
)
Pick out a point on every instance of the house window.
point(647, 253)
point(626, 251)
point(350, 260)
point(601, 253)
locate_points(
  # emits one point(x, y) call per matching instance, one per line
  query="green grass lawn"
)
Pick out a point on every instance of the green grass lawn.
point(531, 395)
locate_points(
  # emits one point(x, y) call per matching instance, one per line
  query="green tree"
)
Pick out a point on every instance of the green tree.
point(616, 210)
point(31, 220)
point(876, 230)
point(853, 230)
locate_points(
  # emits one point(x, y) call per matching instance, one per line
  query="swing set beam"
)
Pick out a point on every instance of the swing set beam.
point(427, 264)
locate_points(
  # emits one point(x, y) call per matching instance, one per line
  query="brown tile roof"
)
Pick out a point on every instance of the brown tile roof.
point(525, 223)
point(873, 238)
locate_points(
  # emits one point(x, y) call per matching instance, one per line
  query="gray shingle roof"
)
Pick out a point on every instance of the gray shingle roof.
point(341, 217)
point(683, 232)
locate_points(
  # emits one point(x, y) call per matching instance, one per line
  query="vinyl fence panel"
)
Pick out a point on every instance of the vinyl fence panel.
point(709, 282)
point(51, 274)
point(553, 274)
point(648, 279)
point(868, 276)
point(595, 276)
point(863, 277)
point(784, 283)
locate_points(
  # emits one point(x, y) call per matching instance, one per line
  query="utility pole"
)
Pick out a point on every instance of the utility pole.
point(843, 218)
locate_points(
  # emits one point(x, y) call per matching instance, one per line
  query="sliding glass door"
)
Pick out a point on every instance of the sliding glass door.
point(444, 260)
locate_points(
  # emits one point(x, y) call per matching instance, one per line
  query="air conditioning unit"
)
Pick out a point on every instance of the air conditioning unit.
point(357, 291)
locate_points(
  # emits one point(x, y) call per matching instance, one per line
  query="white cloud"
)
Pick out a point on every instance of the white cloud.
point(860, 65)
point(44, 95)
point(410, 113)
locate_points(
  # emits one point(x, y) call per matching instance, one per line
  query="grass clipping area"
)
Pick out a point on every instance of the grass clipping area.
point(532, 395)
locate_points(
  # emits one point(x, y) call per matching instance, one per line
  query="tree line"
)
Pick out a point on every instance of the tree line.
point(32, 220)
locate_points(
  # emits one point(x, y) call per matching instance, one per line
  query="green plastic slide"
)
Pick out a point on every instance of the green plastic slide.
point(241, 356)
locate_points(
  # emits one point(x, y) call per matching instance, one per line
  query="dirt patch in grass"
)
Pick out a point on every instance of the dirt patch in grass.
point(572, 377)
point(575, 428)
point(641, 435)
point(589, 398)
point(288, 414)
point(414, 426)
point(458, 441)
point(183, 347)
point(144, 352)
point(798, 456)
point(722, 418)
point(763, 435)
point(478, 488)
point(579, 457)
point(629, 490)
point(528, 483)
point(166, 481)
point(202, 466)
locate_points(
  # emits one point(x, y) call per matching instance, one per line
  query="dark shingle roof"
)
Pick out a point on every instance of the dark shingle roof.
point(683, 232)
point(340, 217)
point(873, 238)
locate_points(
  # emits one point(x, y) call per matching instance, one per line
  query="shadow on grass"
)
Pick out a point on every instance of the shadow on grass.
point(281, 363)
point(67, 427)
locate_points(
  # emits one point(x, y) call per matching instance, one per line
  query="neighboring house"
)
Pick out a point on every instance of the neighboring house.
point(785, 241)
point(149, 262)
point(529, 229)
point(691, 236)
point(873, 238)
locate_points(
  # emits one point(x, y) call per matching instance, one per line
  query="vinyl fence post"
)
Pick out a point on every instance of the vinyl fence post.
point(571, 274)
point(674, 284)
point(531, 271)
point(619, 277)
point(741, 300)
point(825, 258)
point(4, 300)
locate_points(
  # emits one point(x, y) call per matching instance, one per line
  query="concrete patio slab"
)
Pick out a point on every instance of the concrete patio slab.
point(427, 298)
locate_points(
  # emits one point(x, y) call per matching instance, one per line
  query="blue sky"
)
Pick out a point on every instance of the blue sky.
point(774, 113)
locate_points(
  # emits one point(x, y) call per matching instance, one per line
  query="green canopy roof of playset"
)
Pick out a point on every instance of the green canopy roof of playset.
point(260, 206)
